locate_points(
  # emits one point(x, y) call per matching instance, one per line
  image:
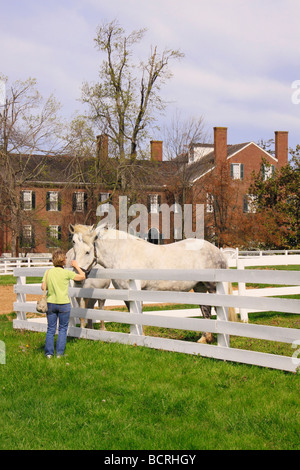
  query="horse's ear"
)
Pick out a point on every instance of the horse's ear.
point(71, 228)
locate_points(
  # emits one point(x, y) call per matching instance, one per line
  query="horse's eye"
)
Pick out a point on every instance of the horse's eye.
point(87, 253)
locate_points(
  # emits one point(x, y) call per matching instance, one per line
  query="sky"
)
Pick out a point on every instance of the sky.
point(241, 68)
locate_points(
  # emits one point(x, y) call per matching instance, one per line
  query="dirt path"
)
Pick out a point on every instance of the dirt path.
point(8, 297)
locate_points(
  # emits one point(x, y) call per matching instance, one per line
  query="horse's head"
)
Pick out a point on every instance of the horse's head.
point(84, 247)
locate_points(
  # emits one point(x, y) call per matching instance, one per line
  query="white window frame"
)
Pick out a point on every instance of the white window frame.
point(53, 231)
point(154, 206)
point(209, 203)
point(236, 171)
point(268, 171)
point(27, 233)
point(53, 201)
point(79, 197)
point(104, 207)
point(27, 200)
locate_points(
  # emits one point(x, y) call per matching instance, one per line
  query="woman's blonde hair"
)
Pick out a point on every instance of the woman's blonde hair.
point(58, 257)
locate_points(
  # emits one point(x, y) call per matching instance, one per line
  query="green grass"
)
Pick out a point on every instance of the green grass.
point(113, 396)
point(8, 280)
point(121, 397)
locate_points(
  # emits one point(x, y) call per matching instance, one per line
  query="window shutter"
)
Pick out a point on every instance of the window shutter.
point(59, 202)
point(245, 204)
point(85, 201)
point(231, 170)
point(22, 199)
point(263, 172)
point(33, 200)
point(33, 238)
point(273, 170)
point(47, 201)
point(74, 202)
point(59, 233)
point(148, 202)
point(242, 171)
point(159, 201)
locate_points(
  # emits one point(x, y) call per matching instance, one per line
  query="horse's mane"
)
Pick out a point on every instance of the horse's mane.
point(79, 228)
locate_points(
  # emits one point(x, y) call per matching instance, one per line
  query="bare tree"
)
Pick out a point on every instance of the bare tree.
point(28, 125)
point(181, 133)
point(127, 97)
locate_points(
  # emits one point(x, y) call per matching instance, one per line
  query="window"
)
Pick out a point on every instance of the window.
point(249, 204)
point(27, 237)
point(103, 198)
point(209, 203)
point(27, 200)
point(53, 201)
point(237, 171)
point(53, 235)
point(154, 201)
point(79, 202)
point(267, 171)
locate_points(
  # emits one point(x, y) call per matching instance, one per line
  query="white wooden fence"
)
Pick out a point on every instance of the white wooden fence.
point(7, 265)
point(220, 326)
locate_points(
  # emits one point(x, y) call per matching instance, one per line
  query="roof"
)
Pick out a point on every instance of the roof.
point(65, 169)
point(205, 163)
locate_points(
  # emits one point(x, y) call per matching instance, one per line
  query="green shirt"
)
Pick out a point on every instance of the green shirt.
point(57, 285)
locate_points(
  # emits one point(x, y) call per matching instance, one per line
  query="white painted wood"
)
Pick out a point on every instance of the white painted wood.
point(135, 308)
point(222, 315)
point(221, 326)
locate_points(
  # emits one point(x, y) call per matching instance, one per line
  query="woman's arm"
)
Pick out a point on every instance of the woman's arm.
point(81, 275)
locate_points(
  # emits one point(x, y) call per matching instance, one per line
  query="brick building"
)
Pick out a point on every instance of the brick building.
point(55, 200)
point(222, 171)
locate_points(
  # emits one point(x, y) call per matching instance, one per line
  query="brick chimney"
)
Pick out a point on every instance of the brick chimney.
point(156, 150)
point(281, 147)
point(220, 144)
point(102, 147)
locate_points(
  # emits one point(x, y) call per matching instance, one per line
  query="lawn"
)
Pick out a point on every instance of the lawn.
point(113, 396)
point(104, 396)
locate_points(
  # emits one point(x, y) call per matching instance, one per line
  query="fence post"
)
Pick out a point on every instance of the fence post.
point(135, 306)
point(222, 315)
point(242, 291)
point(21, 280)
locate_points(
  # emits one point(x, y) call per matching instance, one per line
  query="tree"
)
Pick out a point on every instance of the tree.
point(28, 125)
point(124, 102)
point(278, 199)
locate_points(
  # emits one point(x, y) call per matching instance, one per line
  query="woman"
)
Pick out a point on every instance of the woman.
point(59, 307)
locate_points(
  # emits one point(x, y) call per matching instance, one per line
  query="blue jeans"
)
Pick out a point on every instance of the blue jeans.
point(56, 312)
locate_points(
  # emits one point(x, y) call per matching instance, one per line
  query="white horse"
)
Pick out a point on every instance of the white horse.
point(114, 249)
point(89, 283)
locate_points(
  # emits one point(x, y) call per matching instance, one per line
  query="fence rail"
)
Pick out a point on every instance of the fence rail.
point(137, 319)
point(7, 265)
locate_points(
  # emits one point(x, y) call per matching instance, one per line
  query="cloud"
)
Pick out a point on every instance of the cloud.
point(241, 57)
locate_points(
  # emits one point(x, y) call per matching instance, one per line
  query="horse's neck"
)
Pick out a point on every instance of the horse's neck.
point(107, 252)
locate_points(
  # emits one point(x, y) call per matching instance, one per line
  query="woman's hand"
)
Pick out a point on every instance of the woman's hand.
point(81, 275)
